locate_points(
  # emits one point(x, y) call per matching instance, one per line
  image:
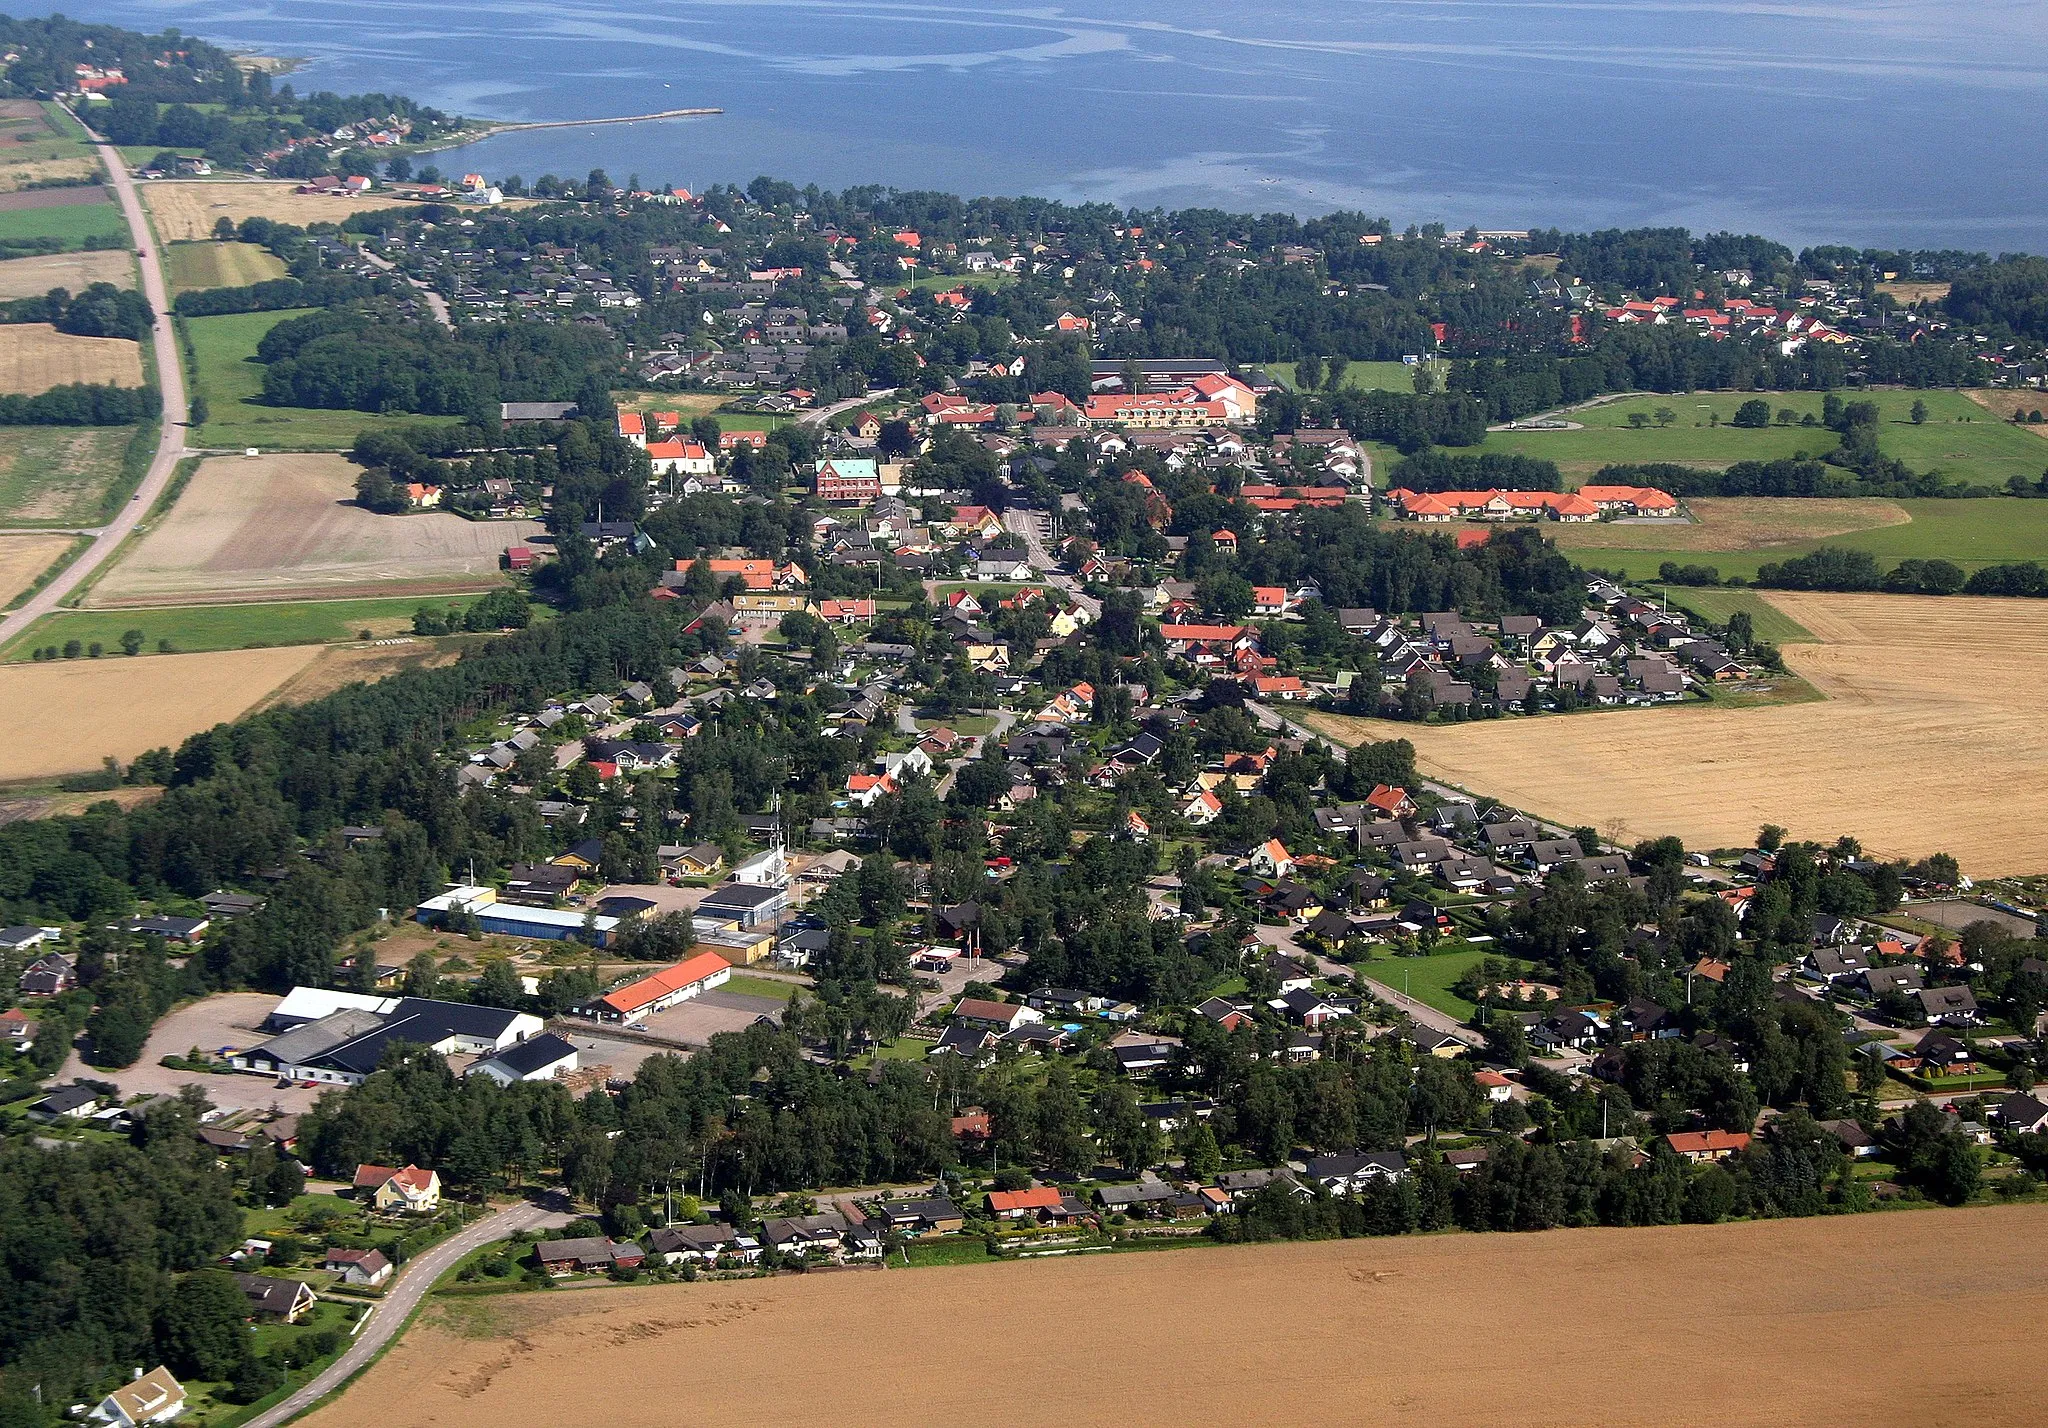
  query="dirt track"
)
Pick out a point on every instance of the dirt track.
point(1786, 1323)
point(1930, 740)
point(280, 524)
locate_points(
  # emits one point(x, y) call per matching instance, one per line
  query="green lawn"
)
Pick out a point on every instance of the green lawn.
point(193, 629)
point(59, 475)
point(1769, 622)
point(749, 421)
point(1972, 533)
point(269, 1222)
point(1359, 376)
point(71, 223)
point(748, 986)
point(1959, 438)
point(225, 370)
point(1429, 979)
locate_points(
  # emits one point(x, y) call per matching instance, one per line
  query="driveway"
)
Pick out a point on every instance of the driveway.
point(387, 1317)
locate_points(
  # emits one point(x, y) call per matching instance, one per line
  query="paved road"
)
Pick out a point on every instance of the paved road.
point(388, 1316)
point(1028, 524)
point(170, 445)
point(825, 414)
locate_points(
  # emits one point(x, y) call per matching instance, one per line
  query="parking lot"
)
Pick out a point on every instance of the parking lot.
point(229, 1020)
point(696, 1021)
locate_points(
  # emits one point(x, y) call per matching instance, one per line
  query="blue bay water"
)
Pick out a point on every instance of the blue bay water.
point(1892, 122)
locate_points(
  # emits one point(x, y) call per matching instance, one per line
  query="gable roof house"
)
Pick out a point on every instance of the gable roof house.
point(153, 1397)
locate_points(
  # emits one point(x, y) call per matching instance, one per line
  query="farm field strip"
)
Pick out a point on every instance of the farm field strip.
point(68, 715)
point(35, 275)
point(1929, 739)
point(59, 475)
point(185, 209)
point(35, 357)
point(194, 629)
point(24, 557)
point(287, 526)
point(219, 265)
point(70, 223)
point(1807, 1307)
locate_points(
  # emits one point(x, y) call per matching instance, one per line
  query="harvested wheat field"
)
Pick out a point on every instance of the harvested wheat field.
point(2005, 402)
point(188, 208)
point(1786, 1323)
point(1929, 740)
point(74, 272)
point(24, 557)
point(338, 666)
point(65, 716)
point(1742, 523)
point(269, 526)
point(35, 357)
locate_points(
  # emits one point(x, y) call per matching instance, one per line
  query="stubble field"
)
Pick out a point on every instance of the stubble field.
point(188, 208)
point(1788, 1323)
point(1929, 740)
point(74, 272)
point(66, 716)
point(24, 557)
point(275, 525)
point(35, 357)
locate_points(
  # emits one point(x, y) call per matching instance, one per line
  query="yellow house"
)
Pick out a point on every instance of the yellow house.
point(411, 1191)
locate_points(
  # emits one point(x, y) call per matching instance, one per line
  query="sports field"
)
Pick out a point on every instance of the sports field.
point(1929, 740)
point(1358, 377)
point(1790, 1323)
point(227, 373)
point(65, 716)
point(283, 526)
point(59, 475)
point(219, 265)
point(35, 357)
point(1735, 536)
point(1959, 437)
point(74, 272)
point(196, 629)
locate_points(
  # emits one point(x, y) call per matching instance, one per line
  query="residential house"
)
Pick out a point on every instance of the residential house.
point(153, 1397)
point(366, 1267)
point(410, 1190)
point(1349, 1174)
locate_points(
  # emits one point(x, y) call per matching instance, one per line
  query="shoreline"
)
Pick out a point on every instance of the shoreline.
point(492, 129)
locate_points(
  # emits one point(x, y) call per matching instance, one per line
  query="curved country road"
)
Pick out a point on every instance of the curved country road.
point(389, 1314)
point(170, 379)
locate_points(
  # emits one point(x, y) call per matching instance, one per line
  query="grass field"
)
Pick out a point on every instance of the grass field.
point(225, 369)
point(70, 223)
point(34, 276)
point(1429, 979)
point(58, 475)
point(68, 715)
point(287, 527)
point(1971, 533)
point(1928, 740)
point(1959, 438)
point(1769, 622)
point(1807, 1307)
point(196, 629)
point(35, 357)
point(1359, 376)
point(219, 265)
point(750, 421)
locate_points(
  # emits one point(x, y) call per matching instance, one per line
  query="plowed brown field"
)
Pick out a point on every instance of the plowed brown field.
point(1930, 740)
point(1786, 1323)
